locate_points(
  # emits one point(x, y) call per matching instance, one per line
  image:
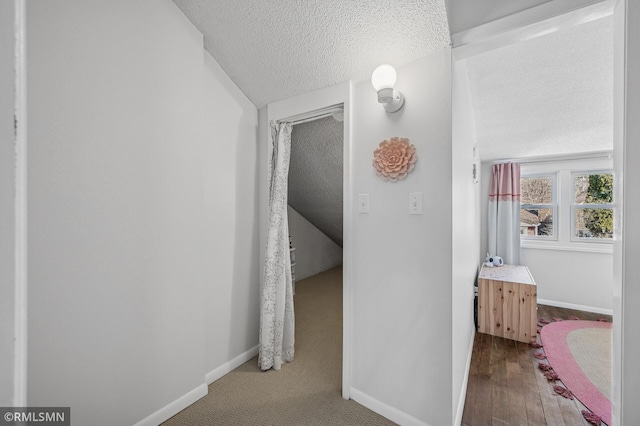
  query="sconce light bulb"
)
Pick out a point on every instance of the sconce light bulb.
point(383, 77)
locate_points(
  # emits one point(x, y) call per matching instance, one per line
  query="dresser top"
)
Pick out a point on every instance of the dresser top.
point(510, 273)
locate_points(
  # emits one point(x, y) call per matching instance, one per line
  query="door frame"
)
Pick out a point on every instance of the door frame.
point(20, 205)
point(535, 21)
point(304, 104)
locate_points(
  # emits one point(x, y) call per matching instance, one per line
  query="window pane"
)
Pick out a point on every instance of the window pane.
point(536, 190)
point(593, 189)
point(536, 222)
point(594, 223)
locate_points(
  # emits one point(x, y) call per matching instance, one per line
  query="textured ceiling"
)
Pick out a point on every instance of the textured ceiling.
point(281, 48)
point(549, 95)
point(545, 96)
point(315, 174)
point(277, 49)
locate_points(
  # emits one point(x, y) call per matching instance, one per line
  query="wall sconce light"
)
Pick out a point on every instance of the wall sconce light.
point(383, 79)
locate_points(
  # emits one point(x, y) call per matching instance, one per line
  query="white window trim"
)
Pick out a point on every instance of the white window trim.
point(564, 168)
point(553, 207)
point(574, 207)
point(581, 246)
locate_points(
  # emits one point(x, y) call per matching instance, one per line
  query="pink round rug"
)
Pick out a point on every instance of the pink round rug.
point(580, 352)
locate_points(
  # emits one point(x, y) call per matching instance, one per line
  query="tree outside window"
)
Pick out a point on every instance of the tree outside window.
point(593, 206)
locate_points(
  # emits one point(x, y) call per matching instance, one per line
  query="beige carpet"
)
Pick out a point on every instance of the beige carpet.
point(304, 392)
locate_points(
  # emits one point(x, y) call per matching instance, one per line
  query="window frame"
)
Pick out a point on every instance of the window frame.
point(564, 166)
point(553, 206)
point(575, 206)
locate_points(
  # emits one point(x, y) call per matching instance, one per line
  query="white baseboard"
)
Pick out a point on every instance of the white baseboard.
point(189, 398)
point(228, 367)
point(577, 307)
point(465, 382)
point(175, 407)
point(385, 410)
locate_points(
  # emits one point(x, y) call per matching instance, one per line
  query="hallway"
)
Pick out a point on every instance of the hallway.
point(304, 392)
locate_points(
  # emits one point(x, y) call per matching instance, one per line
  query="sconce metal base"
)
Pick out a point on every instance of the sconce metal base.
point(391, 99)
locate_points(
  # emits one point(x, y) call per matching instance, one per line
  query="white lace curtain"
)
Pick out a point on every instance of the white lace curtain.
point(504, 212)
point(276, 307)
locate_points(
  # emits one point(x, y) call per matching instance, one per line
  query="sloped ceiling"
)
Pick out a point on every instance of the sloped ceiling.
point(315, 174)
point(467, 14)
point(277, 49)
point(551, 95)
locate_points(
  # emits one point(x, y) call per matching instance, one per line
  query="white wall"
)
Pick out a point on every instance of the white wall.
point(572, 279)
point(627, 247)
point(315, 252)
point(398, 268)
point(465, 233)
point(142, 216)
point(230, 126)
point(7, 202)
point(247, 269)
point(401, 307)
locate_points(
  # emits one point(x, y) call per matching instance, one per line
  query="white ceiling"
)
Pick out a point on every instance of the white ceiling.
point(277, 49)
point(550, 95)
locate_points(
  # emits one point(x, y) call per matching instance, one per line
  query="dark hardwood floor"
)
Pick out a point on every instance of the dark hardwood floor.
point(506, 387)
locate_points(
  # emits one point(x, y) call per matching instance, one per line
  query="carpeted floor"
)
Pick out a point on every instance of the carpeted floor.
point(304, 392)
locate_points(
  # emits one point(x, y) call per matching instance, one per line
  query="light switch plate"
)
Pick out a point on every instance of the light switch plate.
point(363, 203)
point(415, 203)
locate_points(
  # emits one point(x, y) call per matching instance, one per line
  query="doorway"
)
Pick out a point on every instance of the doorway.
point(307, 106)
point(578, 18)
point(315, 194)
point(546, 102)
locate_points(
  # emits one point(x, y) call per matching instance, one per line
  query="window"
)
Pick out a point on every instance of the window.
point(567, 204)
point(538, 206)
point(592, 208)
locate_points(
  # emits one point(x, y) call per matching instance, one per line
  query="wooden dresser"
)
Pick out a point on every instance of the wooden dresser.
point(507, 302)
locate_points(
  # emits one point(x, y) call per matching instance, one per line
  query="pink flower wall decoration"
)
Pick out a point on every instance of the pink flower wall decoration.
point(394, 159)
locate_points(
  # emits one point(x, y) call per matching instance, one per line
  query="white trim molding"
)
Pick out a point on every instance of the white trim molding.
point(463, 389)
point(20, 348)
point(530, 23)
point(228, 367)
point(393, 414)
point(174, 407)
point(576, 307)
point(594, 247)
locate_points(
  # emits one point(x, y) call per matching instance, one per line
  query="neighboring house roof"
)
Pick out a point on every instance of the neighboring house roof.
point(528, 219)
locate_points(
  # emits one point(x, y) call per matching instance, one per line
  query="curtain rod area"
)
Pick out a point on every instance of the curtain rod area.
point(314, 115)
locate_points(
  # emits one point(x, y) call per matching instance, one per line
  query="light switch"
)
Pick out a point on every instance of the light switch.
point(363, 203)
point(415, 203)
